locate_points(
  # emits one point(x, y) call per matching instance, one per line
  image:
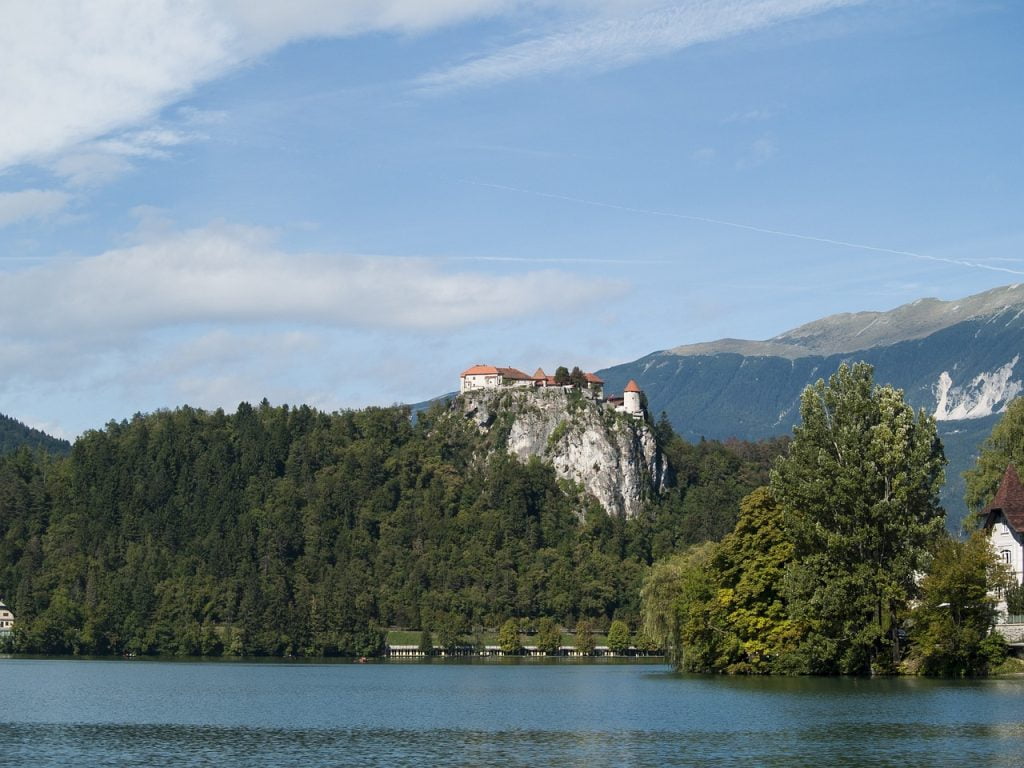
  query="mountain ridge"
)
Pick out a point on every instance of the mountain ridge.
point(849, 332)
point(958, 360)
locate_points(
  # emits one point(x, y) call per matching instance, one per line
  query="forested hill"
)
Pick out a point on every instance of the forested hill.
point(280, 530)
point(14, 434)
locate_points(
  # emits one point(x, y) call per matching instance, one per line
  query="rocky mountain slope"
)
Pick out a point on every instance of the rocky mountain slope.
point(612, 456)
point(959, 360)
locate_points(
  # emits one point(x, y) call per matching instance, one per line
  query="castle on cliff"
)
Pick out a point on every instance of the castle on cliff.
point(492, 377)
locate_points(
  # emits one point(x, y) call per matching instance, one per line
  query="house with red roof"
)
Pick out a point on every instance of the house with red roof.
point(492, 377)
point(1004, 521)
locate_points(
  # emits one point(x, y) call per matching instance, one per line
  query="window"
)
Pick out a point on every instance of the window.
point(1005, 554)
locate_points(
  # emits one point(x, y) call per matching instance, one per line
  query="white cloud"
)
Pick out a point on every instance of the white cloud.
point(30, 204)
point(235, 275)
point(220, 314)
point(704, 155)
point(760, 152)
point(78, 70)
point(608, 43)
point(750, 116)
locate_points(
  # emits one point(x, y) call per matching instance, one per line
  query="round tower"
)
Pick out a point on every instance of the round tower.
point(631, 399)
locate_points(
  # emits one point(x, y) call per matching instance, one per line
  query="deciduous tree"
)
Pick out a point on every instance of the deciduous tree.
point(549, 635)
point(952, 623)
point(618, 636)
point(508, 637)
point(860, 493)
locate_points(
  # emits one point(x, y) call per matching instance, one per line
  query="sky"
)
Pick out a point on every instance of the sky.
point(346, 203)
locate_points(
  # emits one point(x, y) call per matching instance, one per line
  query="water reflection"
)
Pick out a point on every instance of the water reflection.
point(106, 713)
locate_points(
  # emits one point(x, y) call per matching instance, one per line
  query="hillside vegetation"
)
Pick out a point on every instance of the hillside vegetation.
point(280, 530)
point(14, 435)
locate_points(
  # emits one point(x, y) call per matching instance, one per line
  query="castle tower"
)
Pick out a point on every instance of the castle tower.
point(631, 399)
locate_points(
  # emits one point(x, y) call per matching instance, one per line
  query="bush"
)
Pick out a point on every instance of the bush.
point(1015, 599)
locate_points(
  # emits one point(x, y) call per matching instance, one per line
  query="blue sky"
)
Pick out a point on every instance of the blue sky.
point(347, 203)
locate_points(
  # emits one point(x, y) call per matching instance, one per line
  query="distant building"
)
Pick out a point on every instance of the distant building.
point(6, 620)
point(1004, 521)
point(632, 402)
point(492, 377)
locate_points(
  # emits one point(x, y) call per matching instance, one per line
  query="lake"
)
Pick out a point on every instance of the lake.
point(152, 713)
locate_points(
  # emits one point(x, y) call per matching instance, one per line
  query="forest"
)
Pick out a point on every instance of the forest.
point(282, 530)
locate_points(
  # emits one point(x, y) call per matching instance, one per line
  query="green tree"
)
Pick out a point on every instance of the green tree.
point(860, 491)
point(678, 612)
point(584, 636)
point(508, 637)
point(952, 623)
point(1004, 446)
point(1014, 596)
point(449, 628)
point(618, 636)
point(750, 565)
point(561, 375)
point(426, 642)
point(549, 635)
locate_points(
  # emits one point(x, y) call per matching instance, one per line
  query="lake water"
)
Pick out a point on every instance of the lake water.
point(226, 714)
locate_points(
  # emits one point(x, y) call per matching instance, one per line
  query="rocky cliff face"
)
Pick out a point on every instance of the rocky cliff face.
point(610, 455)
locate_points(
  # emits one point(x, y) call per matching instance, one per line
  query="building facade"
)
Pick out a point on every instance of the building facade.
point(492, 377)
point(6, 620)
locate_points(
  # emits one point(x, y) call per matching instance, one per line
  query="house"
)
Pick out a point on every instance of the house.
point(6, 620)
point(491, 377)
point(1004, 521)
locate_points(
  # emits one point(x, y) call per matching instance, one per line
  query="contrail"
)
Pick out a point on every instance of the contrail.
point(552, 260)
point(748, 227)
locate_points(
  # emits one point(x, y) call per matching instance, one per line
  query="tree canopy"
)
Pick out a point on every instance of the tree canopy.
point(859, 488)
point(953, 620)
point(818, 573)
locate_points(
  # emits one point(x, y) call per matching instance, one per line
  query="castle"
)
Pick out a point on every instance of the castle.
point(492, 377)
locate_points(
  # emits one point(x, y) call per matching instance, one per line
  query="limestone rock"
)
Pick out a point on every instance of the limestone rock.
point(612, 456)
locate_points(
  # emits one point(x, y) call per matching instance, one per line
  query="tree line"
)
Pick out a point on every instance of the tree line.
point(289, 531)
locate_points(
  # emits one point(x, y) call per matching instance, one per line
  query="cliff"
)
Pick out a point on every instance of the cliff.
point(612, 456)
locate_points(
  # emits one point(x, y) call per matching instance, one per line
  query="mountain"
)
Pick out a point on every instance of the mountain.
point(959, 360)
point(14, 434)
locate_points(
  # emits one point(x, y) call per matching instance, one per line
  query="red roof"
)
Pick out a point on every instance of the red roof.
point(514, 373)
point(539, 374)
point(632, 387)
point(479, 370)
point(490, 370)
point(592, 379)
point(1009, 500)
